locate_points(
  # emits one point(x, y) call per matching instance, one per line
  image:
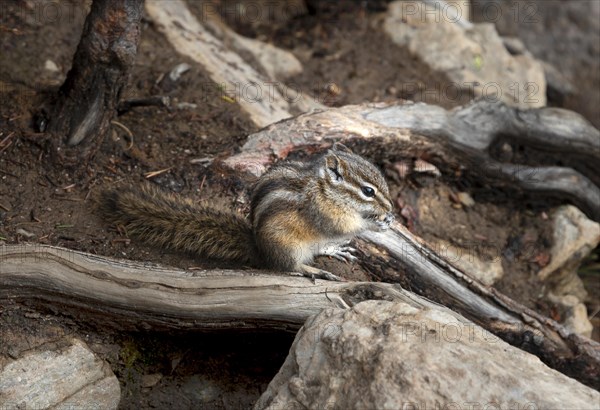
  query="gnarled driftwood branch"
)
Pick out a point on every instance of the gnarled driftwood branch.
point(481, 141)
point(431, 276)
point(133, 296)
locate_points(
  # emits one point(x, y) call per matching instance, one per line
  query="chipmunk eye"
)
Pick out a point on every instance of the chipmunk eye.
point(368, 191)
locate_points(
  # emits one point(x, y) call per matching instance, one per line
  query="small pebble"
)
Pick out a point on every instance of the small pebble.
point(25, 233)
point(465, 199)
point(51, 66)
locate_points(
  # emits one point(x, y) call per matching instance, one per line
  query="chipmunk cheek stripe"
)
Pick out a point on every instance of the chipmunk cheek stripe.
point(381, 200)
point(353, 193)
point(356, 188)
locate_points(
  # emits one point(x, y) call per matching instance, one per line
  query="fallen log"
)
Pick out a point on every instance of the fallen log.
point(128, 295)
point(131, 295)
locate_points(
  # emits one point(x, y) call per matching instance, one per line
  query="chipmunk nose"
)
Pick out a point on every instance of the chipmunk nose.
point(388, 218)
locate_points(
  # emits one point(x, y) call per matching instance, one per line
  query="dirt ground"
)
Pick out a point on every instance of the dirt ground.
point(41, 202)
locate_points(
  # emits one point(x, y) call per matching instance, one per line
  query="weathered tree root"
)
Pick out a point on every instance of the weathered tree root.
point(132, 296)
point(431, 276)
point(479, 140)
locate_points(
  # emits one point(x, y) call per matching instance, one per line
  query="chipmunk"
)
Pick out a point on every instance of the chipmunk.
point(298, 210)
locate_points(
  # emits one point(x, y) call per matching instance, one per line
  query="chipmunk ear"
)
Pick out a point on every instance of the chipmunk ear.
point(338, 146)
point(332, 167)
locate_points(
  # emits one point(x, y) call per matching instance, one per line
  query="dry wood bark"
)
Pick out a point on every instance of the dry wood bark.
point(430, 276)
point(219, 51)
point(134, 296)
point(482, 142)
point(88, 98)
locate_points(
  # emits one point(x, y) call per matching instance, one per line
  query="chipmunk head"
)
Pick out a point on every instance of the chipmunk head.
point(359, 187)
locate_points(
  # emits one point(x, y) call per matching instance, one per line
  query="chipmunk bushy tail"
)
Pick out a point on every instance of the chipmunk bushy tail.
point(172, 222)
